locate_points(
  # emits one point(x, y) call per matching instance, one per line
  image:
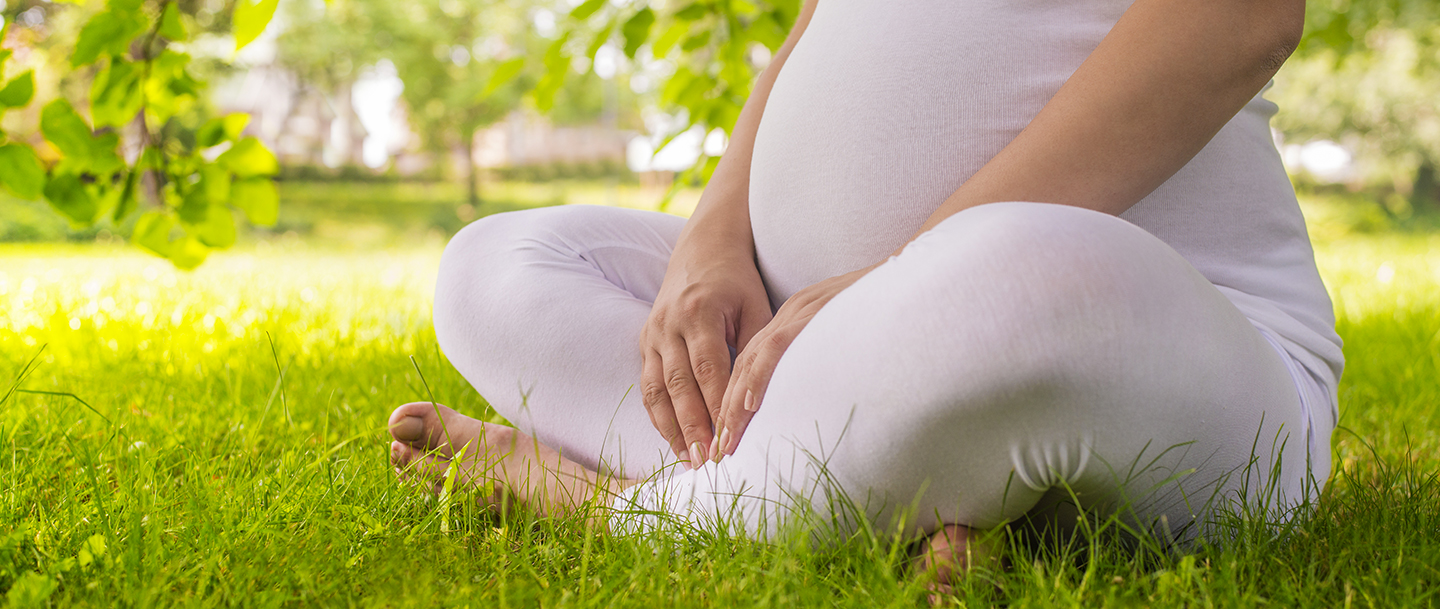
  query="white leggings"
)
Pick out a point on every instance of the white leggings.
point(1014, 358)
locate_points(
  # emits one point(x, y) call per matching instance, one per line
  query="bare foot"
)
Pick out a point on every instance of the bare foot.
point(513, 463)
point(949, 554)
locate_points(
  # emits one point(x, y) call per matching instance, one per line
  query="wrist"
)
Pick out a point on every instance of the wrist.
point(718, 236)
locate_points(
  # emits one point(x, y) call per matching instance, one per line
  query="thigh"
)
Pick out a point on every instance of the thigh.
point(1014, 349)
point(541, 311)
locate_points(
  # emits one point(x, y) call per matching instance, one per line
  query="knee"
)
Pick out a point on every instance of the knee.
point(1017, 239)
point(483, 241)
point(483, 267)
point(1033, 299)
point(1060, 270)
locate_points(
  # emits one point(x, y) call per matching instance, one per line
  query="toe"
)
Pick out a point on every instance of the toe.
point(421, 469)
point(408, 423)
point(417, 425)
point(401, 454)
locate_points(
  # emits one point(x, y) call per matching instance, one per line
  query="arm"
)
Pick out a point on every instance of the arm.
point(1163, 82)
point(722, 218)
point(1169, 75)
point(712, 297)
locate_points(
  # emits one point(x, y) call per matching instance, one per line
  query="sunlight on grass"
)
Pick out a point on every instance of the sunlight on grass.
point(213, 470)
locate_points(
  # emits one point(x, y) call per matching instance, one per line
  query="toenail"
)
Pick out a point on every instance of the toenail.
point(408, 429)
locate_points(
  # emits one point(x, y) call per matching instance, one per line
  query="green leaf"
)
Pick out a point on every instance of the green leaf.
point(126, 202)
point(188, 253)
point(250, 20)
point(216, 183)
point(557, 65)
point(68, 195)
point(30, 590)
point(601, 37)
point(169, 88)
point(257, 198)
point(586, 9)
point(249, 158)
point(115, 96)
point(64, 128)
point(107, 33)
point(696, 41)
point(152, 232)
point(18, 91)
point(692, 12)
point(170, 25)
point(223, 129)
point(194, 207)
point(21, 171)
point(217, 229)
point(662, 45)
point(636, 30)
point(504, 73)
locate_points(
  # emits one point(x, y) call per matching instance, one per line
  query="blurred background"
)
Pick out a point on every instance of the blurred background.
point(390, 124)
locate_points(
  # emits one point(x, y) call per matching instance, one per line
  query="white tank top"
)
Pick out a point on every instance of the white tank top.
point(885, 107)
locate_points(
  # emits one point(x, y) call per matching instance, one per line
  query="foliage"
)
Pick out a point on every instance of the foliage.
point(132, 150)
point(462, 63)
point(1380, 102)
point(1366, 75)
point(713, 50)
point(1342, 27)
point(217, 473)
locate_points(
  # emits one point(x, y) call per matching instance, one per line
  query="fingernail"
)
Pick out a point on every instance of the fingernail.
point(698, 452)
point(749, 401)
point(725, 443)
point(715, 446)
point(685, 457)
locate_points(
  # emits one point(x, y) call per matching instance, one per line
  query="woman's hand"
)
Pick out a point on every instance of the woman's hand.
point(757, 361)
point(712, 300)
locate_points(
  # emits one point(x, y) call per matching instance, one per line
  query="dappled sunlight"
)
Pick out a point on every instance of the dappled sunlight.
point(95, 305)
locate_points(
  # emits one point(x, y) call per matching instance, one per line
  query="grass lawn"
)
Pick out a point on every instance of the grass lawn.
point(223, 444)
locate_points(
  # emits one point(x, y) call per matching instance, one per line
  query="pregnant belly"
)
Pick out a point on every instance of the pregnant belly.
point(885, 108)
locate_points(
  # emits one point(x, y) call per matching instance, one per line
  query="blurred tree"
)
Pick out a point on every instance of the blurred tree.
point(136, 146)
point(1380, 101)
point(461, 61)
point(447, 53)
point(1367, 74)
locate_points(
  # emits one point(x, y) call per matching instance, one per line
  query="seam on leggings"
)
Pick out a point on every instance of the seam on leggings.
point(1293, 368)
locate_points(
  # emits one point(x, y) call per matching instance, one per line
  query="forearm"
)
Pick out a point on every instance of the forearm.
point(723, 215)
point(1160, 85)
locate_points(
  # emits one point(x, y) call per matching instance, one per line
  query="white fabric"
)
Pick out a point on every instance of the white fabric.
point(1016, 347)
point(885, 108)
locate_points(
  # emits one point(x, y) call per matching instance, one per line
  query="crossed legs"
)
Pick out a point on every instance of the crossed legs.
point(1015, 350)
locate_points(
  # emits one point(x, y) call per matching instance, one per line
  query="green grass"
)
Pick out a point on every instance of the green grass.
point(191, 474)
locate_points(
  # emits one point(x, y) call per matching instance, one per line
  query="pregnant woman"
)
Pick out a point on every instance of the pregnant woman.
point(964, 261)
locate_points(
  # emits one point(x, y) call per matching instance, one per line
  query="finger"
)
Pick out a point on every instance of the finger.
point(753, 318)
point(732, 428)
point(658, 406)
point(689, 404)
point(710, 363)
point(752, 379)
point(734, 403)
point(762, 364)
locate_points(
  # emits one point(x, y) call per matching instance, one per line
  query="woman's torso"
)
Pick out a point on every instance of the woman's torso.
point(885, 107)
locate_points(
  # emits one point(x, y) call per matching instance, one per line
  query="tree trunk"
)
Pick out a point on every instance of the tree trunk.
point(1425, 195)
point(472, 180)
